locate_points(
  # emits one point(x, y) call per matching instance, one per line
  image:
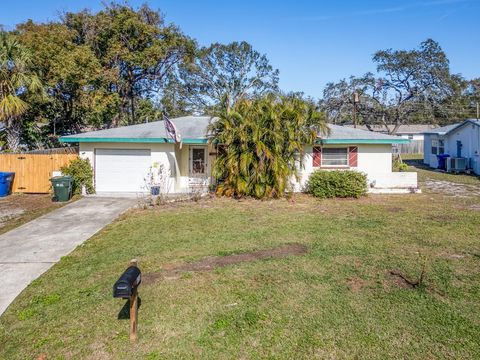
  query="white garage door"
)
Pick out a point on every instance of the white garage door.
point(121, 170)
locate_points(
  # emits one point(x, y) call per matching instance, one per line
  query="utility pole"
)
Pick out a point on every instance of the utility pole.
point(355, 102)
point(478, 110)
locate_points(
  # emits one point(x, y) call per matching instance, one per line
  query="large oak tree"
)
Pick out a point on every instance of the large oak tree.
point(224, 73)
point(409, 86)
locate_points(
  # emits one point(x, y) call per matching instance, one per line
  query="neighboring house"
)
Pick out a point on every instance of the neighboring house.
point(460, 141)
point(123, 158)
point(412, 132)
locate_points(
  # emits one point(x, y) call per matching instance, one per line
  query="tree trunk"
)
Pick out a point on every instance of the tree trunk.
point(132, 107)
point(14, 132)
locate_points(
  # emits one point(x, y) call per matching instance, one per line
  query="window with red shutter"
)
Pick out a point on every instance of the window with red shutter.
point(317, 156)
point(353, 156)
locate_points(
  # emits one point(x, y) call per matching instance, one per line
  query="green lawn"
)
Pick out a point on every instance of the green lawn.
point(337, 301)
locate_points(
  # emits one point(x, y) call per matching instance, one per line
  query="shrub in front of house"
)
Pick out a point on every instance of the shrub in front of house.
point(82, 173)
point(398, 165)
point(337, 183)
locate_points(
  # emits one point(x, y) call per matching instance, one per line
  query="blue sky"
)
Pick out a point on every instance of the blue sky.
point(311, 42)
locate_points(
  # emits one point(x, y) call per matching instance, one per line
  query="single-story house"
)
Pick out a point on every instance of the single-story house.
point(413, 132)
point(126, 159)
point(460, 141)
point(407, 131)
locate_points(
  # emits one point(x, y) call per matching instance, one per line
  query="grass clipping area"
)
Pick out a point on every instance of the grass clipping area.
point(346, 296)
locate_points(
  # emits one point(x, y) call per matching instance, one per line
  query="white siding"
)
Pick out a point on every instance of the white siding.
point(427, 149)
point(469, 135)
point(429, 158)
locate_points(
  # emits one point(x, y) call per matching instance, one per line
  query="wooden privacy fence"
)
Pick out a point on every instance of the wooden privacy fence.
point(33, 171)
point(415, 147)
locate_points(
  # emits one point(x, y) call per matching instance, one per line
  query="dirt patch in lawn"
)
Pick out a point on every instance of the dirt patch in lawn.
point(452, 189)
point(442, 218)
point(17, 209)
point(213, 262)
point(356, 284)
point(398, 279)
point(394, 209)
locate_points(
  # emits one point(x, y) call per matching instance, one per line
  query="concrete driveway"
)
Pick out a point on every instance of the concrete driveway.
point(31, 249)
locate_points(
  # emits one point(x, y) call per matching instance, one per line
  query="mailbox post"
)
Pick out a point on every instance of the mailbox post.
point(134, 308)
point(126, 287)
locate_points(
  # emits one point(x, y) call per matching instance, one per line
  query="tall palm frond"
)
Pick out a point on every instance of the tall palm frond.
point(262, 144)
point(16, 81)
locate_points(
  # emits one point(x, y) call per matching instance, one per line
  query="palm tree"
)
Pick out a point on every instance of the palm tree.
point(261, 144)
point(16, 82)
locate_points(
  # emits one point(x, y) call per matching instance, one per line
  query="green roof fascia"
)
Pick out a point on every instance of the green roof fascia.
point(128, 140)
point(363, 141)
point(204, 141)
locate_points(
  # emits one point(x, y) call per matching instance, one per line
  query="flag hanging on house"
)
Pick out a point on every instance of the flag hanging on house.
point(172, 131)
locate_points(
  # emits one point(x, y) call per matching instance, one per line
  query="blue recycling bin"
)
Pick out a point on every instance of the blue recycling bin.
point(442, 161)
point(6, 182)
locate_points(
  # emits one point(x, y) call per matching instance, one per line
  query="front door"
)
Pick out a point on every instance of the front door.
point(198, 179)
point(198, 161)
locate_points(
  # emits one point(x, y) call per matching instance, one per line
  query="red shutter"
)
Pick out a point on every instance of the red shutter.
point(353, 156)
point(317, 156)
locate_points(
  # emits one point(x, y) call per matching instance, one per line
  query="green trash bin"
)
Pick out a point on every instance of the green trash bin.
point(62, 188)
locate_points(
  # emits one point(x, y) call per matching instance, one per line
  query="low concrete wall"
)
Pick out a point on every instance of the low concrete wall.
point(394, 182)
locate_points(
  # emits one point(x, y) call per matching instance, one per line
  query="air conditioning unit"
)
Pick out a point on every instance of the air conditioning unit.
point(457, 164)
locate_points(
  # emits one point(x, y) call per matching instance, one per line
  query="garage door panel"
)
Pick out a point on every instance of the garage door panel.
point(121, 170)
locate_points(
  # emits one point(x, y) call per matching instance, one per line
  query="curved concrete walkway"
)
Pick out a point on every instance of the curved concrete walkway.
point(31, 249)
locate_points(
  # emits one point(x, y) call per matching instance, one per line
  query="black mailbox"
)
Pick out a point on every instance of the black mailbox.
point(127, 283)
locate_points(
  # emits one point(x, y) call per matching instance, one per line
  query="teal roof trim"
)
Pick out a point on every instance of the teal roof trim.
point(204, 141)
point(363, 141)
point(128, 140)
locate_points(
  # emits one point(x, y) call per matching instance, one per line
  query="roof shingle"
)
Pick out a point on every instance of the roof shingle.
point(195, 128)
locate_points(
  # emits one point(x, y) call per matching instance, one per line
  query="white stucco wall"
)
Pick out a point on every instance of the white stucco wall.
point(375, 160)
point(174, 160)
point(184, 181)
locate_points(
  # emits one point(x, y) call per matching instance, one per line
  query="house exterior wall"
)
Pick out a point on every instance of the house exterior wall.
point(175, 161)
point(412, 136)
point(161, 154)
point(185, 181)
point(429, 158)
point(469, 136)
point(375, 160)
